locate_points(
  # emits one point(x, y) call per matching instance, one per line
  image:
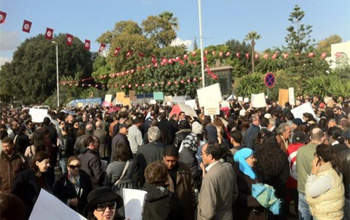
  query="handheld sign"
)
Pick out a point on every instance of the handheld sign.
point(270, 80)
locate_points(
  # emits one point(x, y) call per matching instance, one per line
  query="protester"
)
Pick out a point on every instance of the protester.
point(28, 183)
point(11, 163)
point(324, 189)
point(7, 204)
point(246, 206)
point(160, 203)
point(185, 129)
point(102, 205)
point(73, 187)
point(120, 138)
point(219, 186)
point(180, 181)
point(104, 139)
point(65, 148)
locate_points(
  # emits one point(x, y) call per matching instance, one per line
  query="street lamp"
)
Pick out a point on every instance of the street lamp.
point(57, 76)
point(201, 40)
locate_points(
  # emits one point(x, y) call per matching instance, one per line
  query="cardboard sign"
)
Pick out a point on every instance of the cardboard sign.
point(240, 99)
point(38, 115)
point(158, 96)
point(283, 97)
point(258, 100)
point(132, 95)
point(210, 95)
point(120, 96)
point(126, 101)
point(191, 103)
point(213, 109)
point(246, 100)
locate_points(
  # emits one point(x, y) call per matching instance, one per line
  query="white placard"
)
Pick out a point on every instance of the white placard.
point(108, 98)
point(209, 95)
point(177, 99)
point(134, 200)
point(212, 109)
point(246, 100)
point(258, 100)
point(191, 103)
point(225, 104)
point(152, 101)
point(168, 98)
point(187, 109)
point(240, 99)
point(306, 107)
point(48, 206)
point(291, 96)
point(38, 115)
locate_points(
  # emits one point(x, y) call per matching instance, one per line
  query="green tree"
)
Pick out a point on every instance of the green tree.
point(195, 45)
point(299, 36)
point(325, 45)
point(32, 72)
point(161, 29)
point(249, 84)
point(252, 36)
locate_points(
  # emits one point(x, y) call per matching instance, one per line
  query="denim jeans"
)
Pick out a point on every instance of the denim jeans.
point(303, 207)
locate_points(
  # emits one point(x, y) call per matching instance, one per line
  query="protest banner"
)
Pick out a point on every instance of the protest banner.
point(158, 96)
point(38, 115)
point(132, 95)
point(306, 107)
point(191, 103)
point(48, 206)
point(134, 201)
point(126, 101)
point(283, 97)
point(291, 96)
point(183, 107)
point(168, 98)
point(120, 96)
point(258, 100)
point(209, 95)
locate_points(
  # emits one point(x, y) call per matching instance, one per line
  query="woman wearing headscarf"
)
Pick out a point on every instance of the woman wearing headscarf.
point(246, 206)
point(324, 188)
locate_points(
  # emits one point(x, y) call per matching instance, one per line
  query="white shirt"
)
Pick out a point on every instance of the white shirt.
point(210, 166)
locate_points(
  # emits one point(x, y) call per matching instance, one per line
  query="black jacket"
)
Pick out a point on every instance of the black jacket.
point(64, 190)
point(160, 203)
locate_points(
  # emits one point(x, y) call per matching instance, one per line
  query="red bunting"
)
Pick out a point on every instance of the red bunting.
point(213, 52)
point(338, 54)
point(274, 56)
point(221, 53)
point(129, 53)
point(2, 17)
point(116, 51)
point(185, 56)
point(153, 59)
point(228, 54)
point(311, 54)
point(194, 53)
point(102, 47)
point(87, 44)
point(266, 55)
point(285, 56)
point(26, 26)
point(247, 55)
point(206, 52)
point(49, 33)
point(256, 56)
point(69, 39)
point(238, 55)
point(323, 55)
point(141, 54)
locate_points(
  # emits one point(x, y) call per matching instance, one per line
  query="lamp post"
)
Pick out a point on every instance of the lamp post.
point(201, 40)
point(57, 76)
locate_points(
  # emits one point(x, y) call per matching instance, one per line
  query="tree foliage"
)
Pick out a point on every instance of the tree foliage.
point(325, 45)
point(32, 72)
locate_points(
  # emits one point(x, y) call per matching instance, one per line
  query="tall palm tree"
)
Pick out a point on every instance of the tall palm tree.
point(252, 36)
point(167, 18)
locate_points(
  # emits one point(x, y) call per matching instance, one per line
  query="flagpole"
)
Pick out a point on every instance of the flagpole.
point(57, 76)
point(201, 39)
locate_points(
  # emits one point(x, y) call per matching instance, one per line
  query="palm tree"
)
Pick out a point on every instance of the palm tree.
point(252, 36)
point(167, 18)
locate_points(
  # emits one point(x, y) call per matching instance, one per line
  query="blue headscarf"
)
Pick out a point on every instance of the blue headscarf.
point(240, 157)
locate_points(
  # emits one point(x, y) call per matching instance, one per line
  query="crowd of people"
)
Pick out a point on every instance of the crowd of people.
point(245, 163)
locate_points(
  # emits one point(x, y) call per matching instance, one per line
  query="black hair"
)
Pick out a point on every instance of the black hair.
point(214, 149)
point(328, 155)
point(236, 135)
point(171, 150)
point(335, 133)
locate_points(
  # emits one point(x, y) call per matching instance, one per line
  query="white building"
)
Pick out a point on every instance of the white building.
point(340, 55)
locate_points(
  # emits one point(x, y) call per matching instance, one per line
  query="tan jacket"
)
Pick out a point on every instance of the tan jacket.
point(328, 206)
point(184, 190)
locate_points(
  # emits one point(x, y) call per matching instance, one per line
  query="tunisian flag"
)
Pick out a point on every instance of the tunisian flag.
point(87, 44)
point(26, 26)
point(69, 39)
point(116, 51)
point(102, 47)
point(49, 33)
point(2, 17)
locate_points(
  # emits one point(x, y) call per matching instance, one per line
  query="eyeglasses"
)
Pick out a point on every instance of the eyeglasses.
point(102, 207)
point(74, 166)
